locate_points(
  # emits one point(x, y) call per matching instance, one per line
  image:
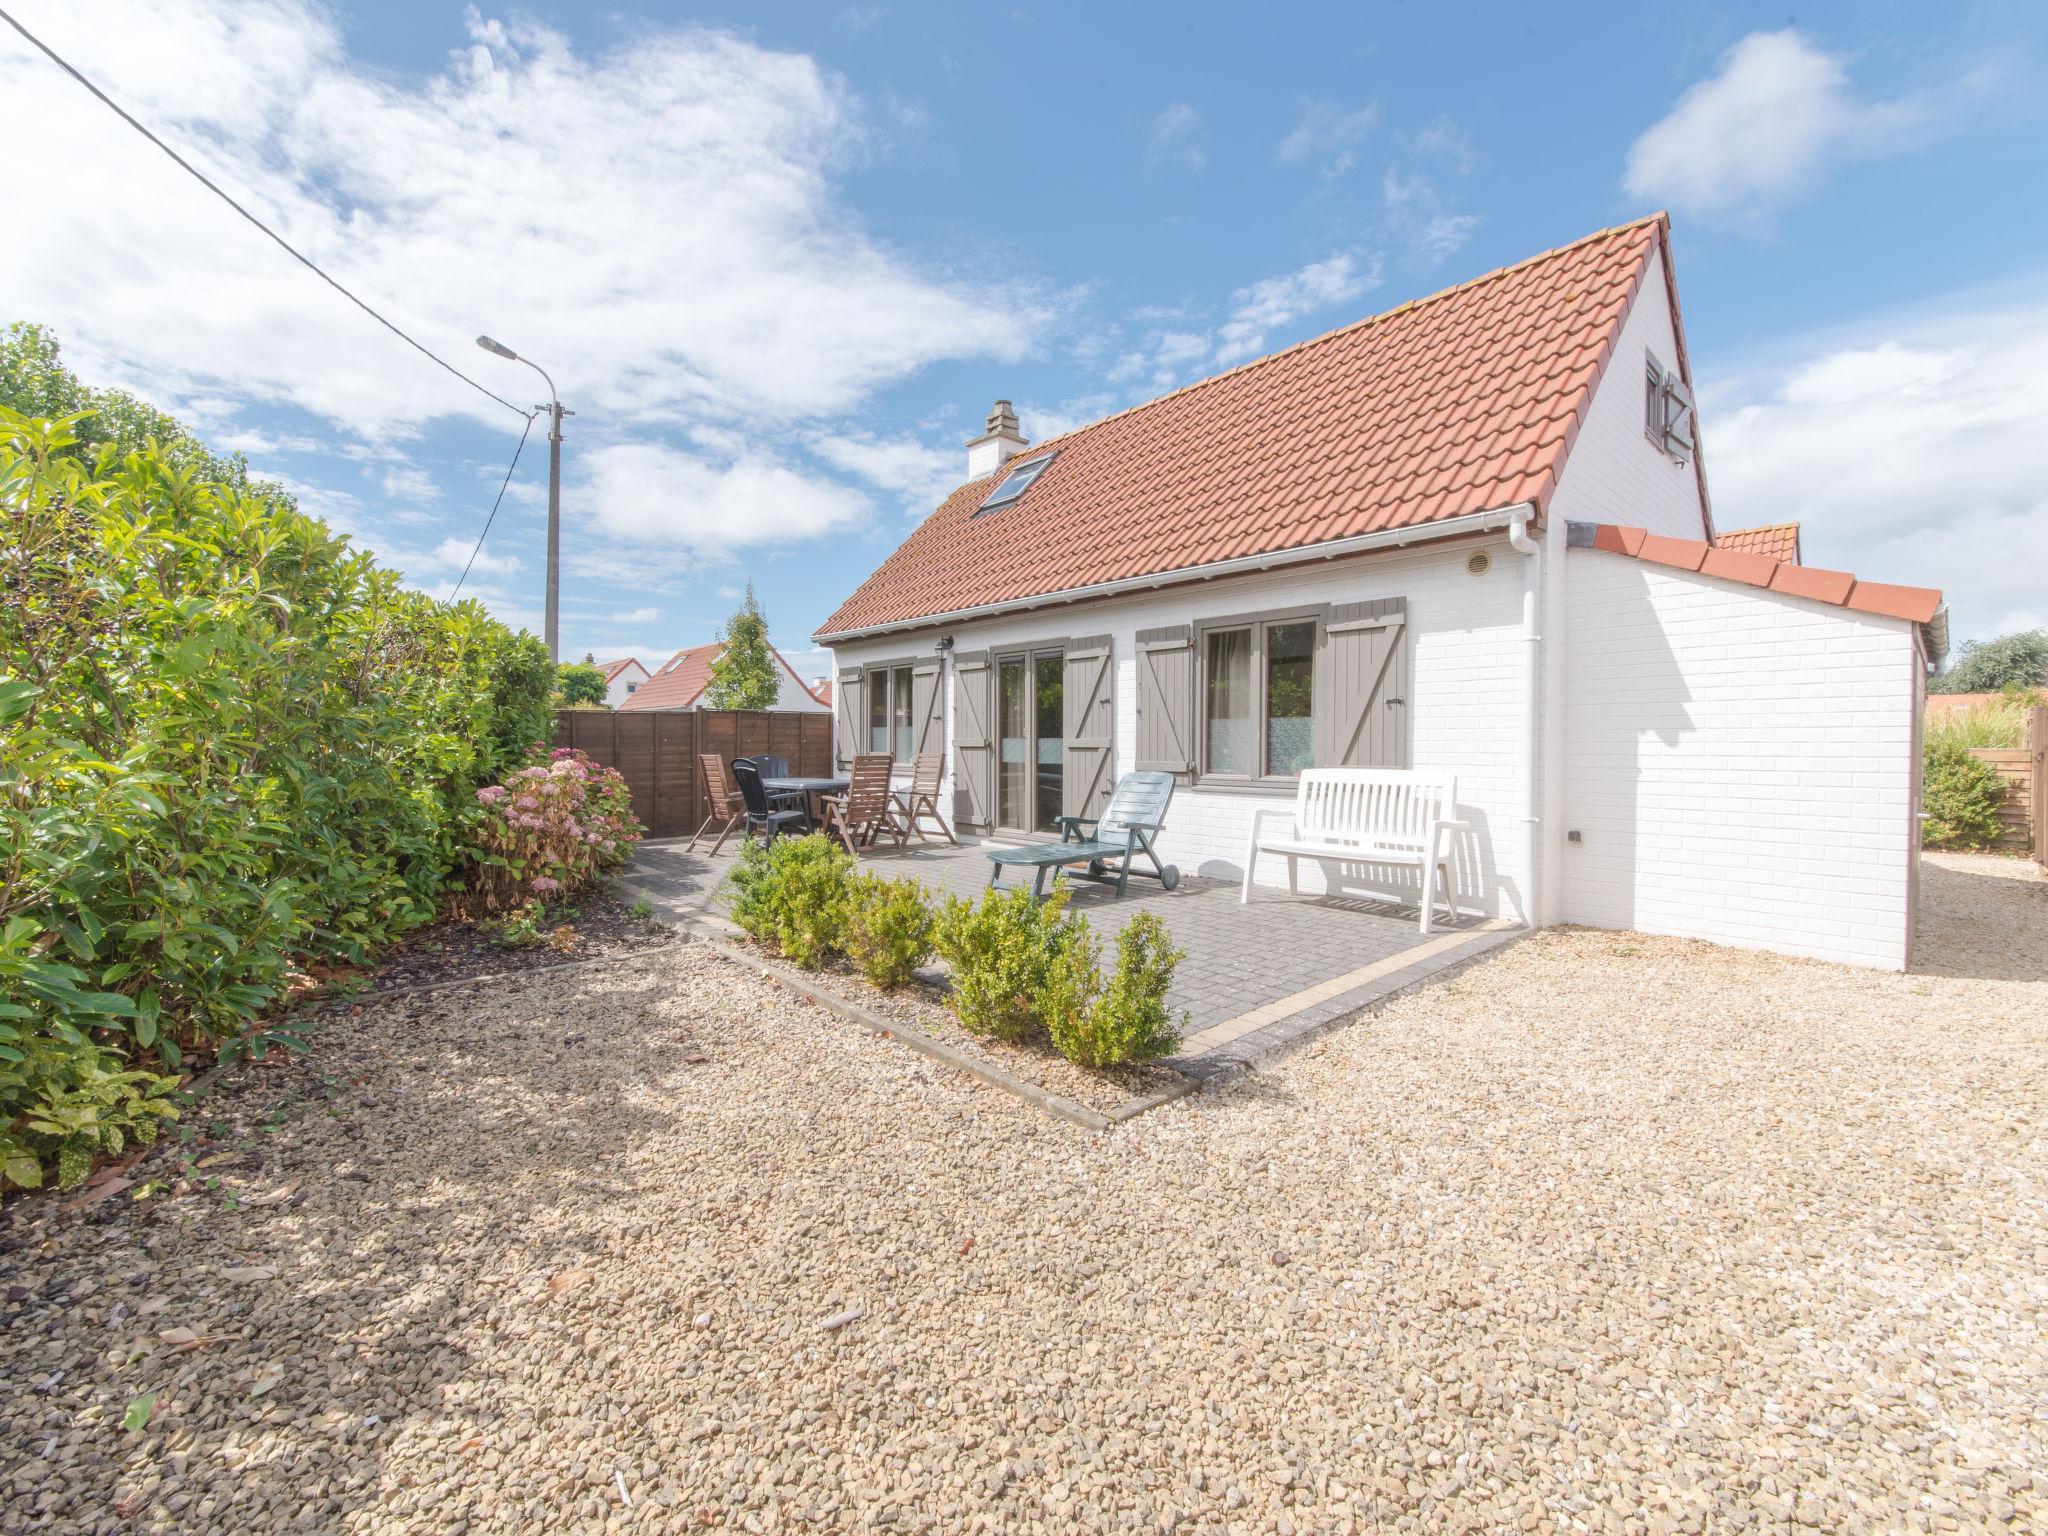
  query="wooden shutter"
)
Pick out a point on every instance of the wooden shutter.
point(974, 784)
point(1362, 687)
point(847, 710)
point(1088, 729)
point(1678, 418)
point(1166, 699)
point(927, 709)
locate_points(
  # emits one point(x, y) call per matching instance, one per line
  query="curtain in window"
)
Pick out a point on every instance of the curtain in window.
point(899, 713)
point(1228, 718)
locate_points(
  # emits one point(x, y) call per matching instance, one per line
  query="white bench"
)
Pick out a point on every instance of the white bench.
point(1384, 816)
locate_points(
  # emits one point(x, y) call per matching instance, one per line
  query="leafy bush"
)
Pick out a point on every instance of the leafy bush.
point(1985, 666)
point(1008, 953)
point(549, 829)
point(577, 683)
point(229, 744)
point(792, 895)
point(1961, 796)
point(1128, 1020)
point(888, 929)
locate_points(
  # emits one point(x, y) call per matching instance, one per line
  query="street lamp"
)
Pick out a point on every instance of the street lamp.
point(555, 415)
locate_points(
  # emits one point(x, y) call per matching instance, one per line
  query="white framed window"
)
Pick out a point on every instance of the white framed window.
point(889, 719)
point(1257, 696)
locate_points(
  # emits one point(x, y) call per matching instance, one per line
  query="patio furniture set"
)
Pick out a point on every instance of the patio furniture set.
point(1361, 818)
point(760, 795)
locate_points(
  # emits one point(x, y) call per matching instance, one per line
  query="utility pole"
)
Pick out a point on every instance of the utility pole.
point(553, 407)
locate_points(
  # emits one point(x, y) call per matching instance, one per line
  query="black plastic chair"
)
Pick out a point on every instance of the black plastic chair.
point(764, 815)
point(777, 768)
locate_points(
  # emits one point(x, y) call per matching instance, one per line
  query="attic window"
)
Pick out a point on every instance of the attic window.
point(1016, 483)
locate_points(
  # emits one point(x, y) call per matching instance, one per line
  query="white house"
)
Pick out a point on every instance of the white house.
point(622, 678)
point(680, 682)
point(1470, 535)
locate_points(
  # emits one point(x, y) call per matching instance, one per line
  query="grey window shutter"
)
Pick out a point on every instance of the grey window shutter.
point(974, 781)
point(1088, 729)
point(927, 709)
point(1166, 698)
point(847, 710)
point(1362, 687)
point(1678, 418)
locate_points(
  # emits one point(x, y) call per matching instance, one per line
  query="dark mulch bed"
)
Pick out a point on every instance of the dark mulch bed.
point(454, 951)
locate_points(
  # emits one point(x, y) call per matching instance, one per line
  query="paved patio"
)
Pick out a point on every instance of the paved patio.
point(1257, 979)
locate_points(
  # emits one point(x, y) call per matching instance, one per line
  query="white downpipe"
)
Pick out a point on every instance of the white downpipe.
point(1532, 644)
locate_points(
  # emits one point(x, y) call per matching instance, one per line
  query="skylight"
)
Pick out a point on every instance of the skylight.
point(1016, 483)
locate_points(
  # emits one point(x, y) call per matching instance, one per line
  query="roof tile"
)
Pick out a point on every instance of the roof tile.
point(1458, 403)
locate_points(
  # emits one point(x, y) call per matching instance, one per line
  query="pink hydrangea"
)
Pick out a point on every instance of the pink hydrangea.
point(527, 803)
point(546, 886)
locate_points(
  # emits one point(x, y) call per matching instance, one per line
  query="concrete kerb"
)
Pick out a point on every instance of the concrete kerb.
point(718, 933)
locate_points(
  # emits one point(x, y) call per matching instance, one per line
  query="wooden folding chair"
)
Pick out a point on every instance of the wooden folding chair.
point(726, 802)
point(922, 798)
point(867, 810)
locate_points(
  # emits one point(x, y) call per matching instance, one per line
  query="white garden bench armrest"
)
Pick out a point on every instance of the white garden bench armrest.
point(1352, 817)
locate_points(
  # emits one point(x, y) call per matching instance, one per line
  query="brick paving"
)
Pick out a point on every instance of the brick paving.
point(1257, 979)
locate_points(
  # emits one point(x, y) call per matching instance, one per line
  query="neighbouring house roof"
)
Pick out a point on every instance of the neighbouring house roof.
point(822, 691)
point(611, 669)
point(1920, 605)
point(681, 680)
point(1779, 541)
point(1463, 402)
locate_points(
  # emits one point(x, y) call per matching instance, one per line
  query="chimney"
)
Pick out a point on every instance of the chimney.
point(998, 445)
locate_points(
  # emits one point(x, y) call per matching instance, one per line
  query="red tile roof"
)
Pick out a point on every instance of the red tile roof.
point(612, 669)
point(1919, 604)
point(1463, 402)
point(681, 680)
point(1779, 541)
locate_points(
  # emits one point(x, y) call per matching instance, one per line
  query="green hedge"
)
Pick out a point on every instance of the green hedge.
point(1961, 796)
point(229, 744)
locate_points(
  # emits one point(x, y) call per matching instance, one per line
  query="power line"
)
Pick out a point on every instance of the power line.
point(303, 260)
point(494, 514)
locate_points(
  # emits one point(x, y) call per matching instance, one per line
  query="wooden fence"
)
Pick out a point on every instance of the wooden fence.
point(2025, 771)
point(657, 751)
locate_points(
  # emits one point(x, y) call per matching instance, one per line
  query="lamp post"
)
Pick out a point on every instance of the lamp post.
point(555, 415)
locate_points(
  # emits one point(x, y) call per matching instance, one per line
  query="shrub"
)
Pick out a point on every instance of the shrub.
point(1007, 952)
point(1128, 1020)
point(888, 929)
point(549, 829)
point(229, 744)
point(1999, 722)
point(1961, 796)
point(1985, 666)
point(792, 895)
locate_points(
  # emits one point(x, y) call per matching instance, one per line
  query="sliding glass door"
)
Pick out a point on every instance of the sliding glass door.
point(1030, 727)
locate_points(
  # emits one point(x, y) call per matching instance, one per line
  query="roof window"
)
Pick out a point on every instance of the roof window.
point(1016, 483)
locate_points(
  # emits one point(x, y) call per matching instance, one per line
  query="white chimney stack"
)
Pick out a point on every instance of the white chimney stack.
point(998, 445)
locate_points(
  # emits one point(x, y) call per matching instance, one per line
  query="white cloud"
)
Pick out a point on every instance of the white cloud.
point(1441, 138)
point(454, 555)
point(1329, 129)
point(634, 616)
point(1276, 302)
point(1176, 135)
point(1912, 450)
point(658, 224)
point(648, 493)
point(1760, 133)
point(915, 472)
point(408, 482)
point(1417, 217)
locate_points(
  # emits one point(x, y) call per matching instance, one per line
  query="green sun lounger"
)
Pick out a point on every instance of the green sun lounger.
point(1125, 830)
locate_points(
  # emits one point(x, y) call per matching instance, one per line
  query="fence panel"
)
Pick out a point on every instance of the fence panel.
point(656, 752)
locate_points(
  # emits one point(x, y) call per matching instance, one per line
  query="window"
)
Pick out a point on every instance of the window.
point(632, 687)
point(1016, 483)
point(889, 710)
point(1258, 697)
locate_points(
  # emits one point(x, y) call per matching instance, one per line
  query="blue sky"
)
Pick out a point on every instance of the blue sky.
point(780, 260)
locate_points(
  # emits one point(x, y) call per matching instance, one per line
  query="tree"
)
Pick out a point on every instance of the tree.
point(1990, 666)
point(580, 684)
point(35, 382)
point(746, 674)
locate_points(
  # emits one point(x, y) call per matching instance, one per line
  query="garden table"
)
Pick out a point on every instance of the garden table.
point(812, 789)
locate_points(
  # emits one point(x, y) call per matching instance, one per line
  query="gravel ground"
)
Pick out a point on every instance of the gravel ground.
point(451, 951)
point(1608, 1233)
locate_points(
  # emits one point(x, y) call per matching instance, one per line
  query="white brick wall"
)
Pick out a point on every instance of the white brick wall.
point(1465, 687)
point(1739, 764)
